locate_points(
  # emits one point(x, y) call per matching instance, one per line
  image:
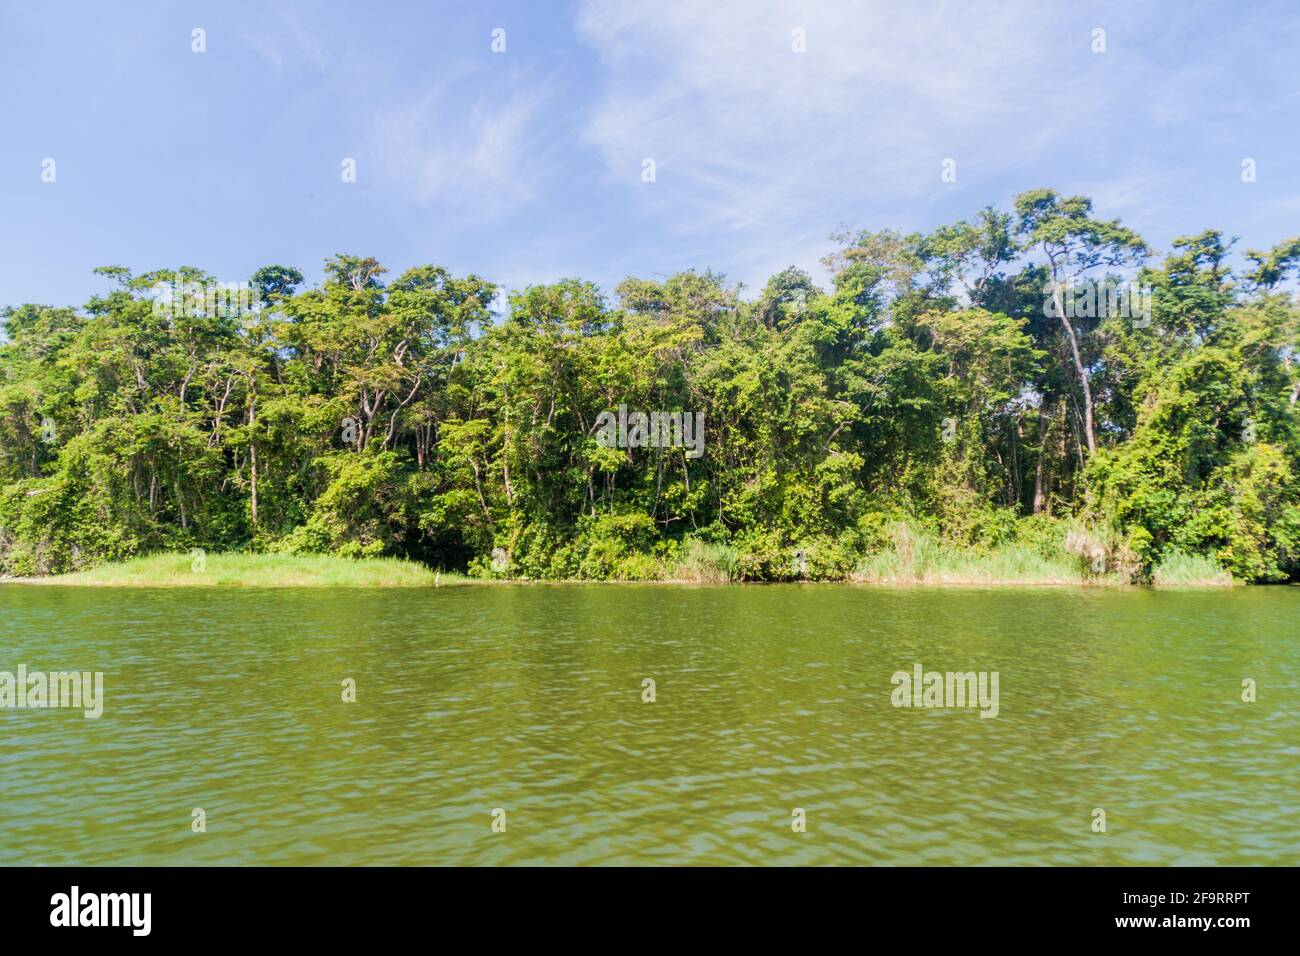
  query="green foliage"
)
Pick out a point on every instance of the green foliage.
point(261, 570)
point(1179, 569)
point(707, 562)
point(915, 555)
point(922, 418)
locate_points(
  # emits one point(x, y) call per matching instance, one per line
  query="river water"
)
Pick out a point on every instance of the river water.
point(529, 701)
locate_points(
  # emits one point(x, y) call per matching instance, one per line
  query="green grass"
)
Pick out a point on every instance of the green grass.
point(1009, 565)
point(917, 558)
point(913, 558)
point(1179, 570)
point(705, 563)
point(259, 570)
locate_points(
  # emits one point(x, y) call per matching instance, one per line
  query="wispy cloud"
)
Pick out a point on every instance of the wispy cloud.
point(719, 97)
point(774, 147)
point(289, 40)
point(490, 154)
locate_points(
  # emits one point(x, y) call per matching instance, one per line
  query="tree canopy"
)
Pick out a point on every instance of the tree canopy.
point(941, 379)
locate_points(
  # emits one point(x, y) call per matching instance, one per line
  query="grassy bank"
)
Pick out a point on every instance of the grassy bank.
point(1022, 566)
point(1045, 553)
point(912, 559)
point(940, 566)
point(1077, 557)
point(257, 570)
point(1180, 570)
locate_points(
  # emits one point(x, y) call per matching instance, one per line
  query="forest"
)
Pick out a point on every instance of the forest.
point(940, 394)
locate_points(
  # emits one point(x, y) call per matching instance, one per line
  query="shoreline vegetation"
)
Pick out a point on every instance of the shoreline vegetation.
point(255, 570)
point(1026, 396)
point(923, 565)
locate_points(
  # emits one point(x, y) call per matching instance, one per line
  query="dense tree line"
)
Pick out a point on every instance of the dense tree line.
point(929, 384)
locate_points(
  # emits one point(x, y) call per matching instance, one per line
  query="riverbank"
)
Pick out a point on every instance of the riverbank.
point(1013, 567)
point(926, 564)
point(257, 570)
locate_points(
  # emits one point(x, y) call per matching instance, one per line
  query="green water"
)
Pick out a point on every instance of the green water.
point(529, 699)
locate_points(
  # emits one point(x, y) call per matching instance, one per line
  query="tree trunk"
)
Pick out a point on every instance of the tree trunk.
point(505, 450)
point(252, 453)
point(1088, 432)
point(1040, 473)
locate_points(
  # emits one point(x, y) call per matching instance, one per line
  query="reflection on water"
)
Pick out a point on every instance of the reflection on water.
point(529, 699)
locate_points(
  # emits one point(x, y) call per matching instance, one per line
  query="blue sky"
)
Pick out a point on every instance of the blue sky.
point(526, 166)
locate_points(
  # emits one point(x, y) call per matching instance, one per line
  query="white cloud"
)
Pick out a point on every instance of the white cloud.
point(717, 91)
point(489, 153)
point(288, 40)
point(779, 147)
